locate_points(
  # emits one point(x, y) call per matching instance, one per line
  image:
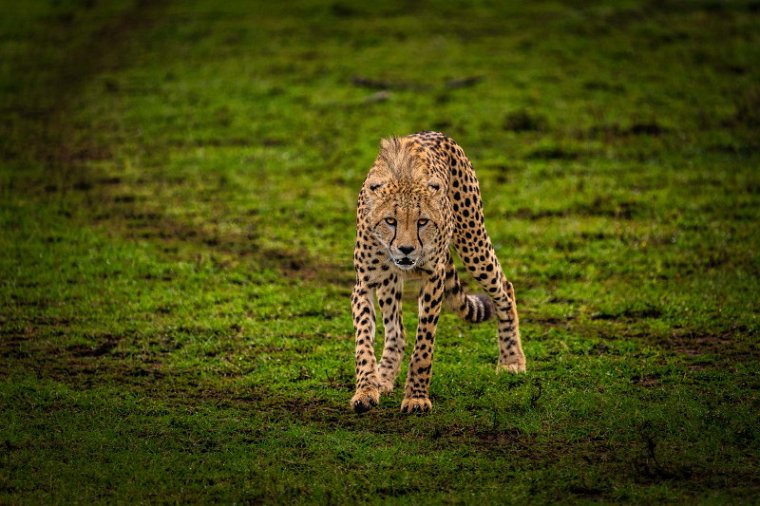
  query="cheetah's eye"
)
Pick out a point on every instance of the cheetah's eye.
point(422, 222)
point(391, 221)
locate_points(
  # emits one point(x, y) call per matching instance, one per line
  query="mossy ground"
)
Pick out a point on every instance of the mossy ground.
point(177, 190)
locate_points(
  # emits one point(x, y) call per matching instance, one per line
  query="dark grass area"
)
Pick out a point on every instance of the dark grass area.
point(177, 190)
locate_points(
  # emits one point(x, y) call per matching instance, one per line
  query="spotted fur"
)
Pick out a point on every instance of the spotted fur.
point(420, 199)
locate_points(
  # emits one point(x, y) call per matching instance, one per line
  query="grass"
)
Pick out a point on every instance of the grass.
point(177, 191)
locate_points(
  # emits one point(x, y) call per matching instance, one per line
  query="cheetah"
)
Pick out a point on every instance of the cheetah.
point(420, 198)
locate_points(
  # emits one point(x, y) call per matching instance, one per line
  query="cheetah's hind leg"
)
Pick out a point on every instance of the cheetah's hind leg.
point(511, 356)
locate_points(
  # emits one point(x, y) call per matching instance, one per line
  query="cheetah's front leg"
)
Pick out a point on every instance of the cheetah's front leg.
point(418, 378)
point(389, 299)
point(367, 393)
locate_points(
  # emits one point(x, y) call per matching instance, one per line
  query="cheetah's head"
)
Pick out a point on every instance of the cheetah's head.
point(405, 218)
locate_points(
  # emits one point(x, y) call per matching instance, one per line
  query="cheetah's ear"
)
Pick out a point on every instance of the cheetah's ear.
point(374, 184)
point(372, 190)
point(434, 184)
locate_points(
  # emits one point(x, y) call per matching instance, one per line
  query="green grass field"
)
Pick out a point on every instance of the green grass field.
point(177, 192)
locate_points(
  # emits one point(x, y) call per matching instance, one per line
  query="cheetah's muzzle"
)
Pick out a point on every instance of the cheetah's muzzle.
point(405, 262)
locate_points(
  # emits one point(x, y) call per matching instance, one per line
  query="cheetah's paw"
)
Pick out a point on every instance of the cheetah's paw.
point(365, 399)
point(420, 405)
point(515, 367)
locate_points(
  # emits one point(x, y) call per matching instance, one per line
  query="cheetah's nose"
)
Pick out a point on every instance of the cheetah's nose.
point(406, 249)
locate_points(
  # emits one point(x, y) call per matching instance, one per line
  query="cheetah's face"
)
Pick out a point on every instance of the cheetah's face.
point(407, 225)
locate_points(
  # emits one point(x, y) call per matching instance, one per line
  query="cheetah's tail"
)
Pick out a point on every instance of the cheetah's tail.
point(473, 308)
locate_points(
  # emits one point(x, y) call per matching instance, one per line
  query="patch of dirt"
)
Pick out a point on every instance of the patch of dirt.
point(738, 344)
point(108, 343)
point(386, 84)
point(213, 238)
point(600, 206)
point(86, 367)
point(10, 347)
point(554, 153)
point(690, 344)
point(524, 121)
point(493, 438)
point(613, 132)
point(463, 82)
point(630, 314)
point(301, 407)
point(397, 490)
point(647, 380)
